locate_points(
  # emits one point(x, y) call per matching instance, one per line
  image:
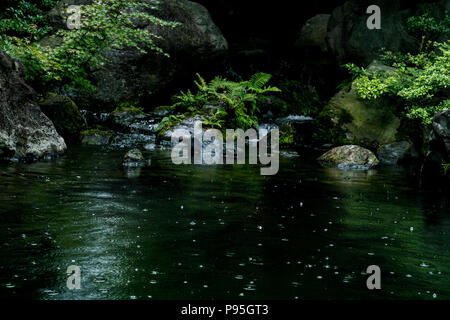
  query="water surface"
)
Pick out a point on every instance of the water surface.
point(217, 232)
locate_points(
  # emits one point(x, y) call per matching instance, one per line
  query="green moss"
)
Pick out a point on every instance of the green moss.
point(93, 132)
point(64, 114)
point(163, 108)
point(129, 109)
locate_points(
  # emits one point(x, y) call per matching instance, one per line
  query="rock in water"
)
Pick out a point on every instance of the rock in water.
point(438, 147)
point(349, 157)
point(441, 129)
point(96, 137)
point(25, 132)
point(397, 153)
point(65, 116)
point(134, 158)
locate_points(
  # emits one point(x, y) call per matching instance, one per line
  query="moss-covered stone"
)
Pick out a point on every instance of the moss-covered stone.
point(128, 109)
point(64, 114)
point(96, 137)
point(367, 123)
point(163, 110)
point(349, 157)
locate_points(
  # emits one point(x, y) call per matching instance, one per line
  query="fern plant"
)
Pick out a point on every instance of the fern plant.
point(236, 102)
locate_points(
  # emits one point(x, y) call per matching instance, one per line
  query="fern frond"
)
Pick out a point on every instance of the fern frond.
point(201, 83)
point(258, 80)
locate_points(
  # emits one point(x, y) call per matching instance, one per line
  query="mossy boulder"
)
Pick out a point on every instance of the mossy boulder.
point(134, 158)
point(349, 157)
point(64, 114)
point(122, 118)
point(357, 121)
point(314, 32)
point(96, 137)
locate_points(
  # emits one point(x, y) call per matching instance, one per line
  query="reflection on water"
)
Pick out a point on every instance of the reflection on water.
point(203, 232)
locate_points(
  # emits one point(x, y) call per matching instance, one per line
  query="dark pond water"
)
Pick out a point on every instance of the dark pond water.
point(217, 232)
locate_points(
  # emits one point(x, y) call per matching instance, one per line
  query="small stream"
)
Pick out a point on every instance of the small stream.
point(217, 232)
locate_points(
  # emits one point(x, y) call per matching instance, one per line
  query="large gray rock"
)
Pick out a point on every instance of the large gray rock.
point(349, 157)
point(25, 132)
point(397, 153)
point(314, 33)
point(129, 74)
point(351, 41)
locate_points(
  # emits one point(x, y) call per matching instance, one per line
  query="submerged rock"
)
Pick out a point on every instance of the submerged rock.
point(134, 158)
point(25, 132)
point(397, 153)
point(64, 114)
point(349, 157)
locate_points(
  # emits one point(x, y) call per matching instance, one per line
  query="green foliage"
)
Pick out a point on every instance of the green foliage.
point(427, 29)
point(129, 106)
point(421, 82)
point(168, 122)
point(105, 25)
point(236, 102)
point(286, 135)
point(26, 19)
point(299, 99)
